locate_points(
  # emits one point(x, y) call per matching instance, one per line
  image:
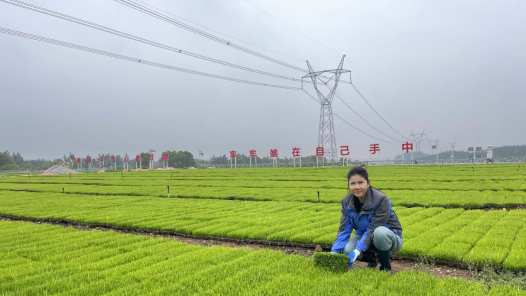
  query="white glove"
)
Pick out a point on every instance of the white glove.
point(353, 255)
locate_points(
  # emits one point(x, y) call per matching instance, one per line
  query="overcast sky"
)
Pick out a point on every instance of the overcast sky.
point(454, 68)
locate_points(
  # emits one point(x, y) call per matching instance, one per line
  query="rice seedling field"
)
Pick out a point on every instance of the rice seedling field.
point(461, 186)
point(52, 260)
point(455, 235)
point(460, 214)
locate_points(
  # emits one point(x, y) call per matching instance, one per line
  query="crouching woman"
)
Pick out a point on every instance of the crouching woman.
point(368, 211)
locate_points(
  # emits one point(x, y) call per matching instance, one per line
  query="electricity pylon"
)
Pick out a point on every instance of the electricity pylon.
point(326, 136)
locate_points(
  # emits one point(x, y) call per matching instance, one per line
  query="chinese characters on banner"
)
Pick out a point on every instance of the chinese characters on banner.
point(344, 152)
point(407, 146)
point(125, 162)
point(373, 148)
point(113, 159)
point(319, 152)
point(101, 161)
point(295, 154)
point(150, 161)
point(165, 160)
point(253, 154)
point(233, 156)
point(137, 160)
point(274, 157)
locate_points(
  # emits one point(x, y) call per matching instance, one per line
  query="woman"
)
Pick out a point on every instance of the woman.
point(378, 232)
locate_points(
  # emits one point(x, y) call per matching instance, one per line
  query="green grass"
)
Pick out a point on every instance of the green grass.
point(46, 259)
point(456, 235)
point(406, 185)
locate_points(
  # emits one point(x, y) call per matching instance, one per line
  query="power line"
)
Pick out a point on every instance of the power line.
point(358, 114)
point(293, 28)
point(348, 106)
point(131, 59)
point(138, 39)
point(335, 51)
point(167, 12)
point(202, 33)
point(348, 61)
point(312, 97)
point(360, 94)
point(313, 40)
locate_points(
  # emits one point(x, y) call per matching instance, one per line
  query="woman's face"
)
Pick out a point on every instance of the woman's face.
point(358, 186)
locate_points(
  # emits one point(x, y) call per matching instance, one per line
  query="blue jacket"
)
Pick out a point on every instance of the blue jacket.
point(376, 211)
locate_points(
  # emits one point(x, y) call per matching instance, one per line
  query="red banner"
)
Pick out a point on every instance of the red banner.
point(407, 146)
point(113, 158)
point(344, 150)
point(78, 159)
point(233, 154)
point(137, 158)
point(165, 157)
point(274, 153)
point(296, 152)
point(101, 159)
point(252, 153)
point(89, 159)
point(125, 158)
point(319, 151)
point(373, 148)
point(150, 156)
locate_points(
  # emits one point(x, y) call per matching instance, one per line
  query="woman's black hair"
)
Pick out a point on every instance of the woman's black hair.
point(358, 170)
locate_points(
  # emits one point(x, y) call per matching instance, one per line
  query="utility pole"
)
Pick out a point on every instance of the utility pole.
point(452, 149)
point(151, 162)
point(326, 136)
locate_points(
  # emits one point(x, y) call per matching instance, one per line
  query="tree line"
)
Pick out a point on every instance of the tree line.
point(15, 161)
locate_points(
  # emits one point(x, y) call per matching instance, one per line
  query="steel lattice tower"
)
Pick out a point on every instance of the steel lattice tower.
point(417, 139)
point(326, 136)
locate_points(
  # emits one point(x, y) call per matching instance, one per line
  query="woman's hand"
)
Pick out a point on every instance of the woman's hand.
point(352, 257)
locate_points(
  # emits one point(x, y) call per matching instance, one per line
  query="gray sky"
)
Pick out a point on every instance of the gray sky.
point(454, 68)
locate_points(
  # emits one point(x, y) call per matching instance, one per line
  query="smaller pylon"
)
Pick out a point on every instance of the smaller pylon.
point(417, 139)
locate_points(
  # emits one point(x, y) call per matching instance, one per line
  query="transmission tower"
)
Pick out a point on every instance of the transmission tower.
point(326, 136)
point(417, 139)
point(434, 146)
